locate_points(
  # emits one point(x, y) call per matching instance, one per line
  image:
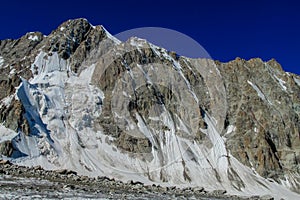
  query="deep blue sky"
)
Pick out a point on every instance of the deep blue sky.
point(226, 29)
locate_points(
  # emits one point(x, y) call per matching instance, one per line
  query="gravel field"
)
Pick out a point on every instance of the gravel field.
point(19, 182)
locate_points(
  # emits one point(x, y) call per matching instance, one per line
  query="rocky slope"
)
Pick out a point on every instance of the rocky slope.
point(82, 100)
point(25, 182)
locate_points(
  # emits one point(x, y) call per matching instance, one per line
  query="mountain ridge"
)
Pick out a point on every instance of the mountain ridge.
point(167, 117)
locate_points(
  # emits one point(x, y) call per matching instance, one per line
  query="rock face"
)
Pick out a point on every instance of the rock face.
point(264, 109)
point(81, 100)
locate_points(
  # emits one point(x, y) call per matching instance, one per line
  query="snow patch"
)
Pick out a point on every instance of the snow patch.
point(7, 101)
point(168, 57)
point(281, 83)
point(144, 129)
point(114, 39)
point(155, 49)
point(230, 129)
point(255, 130)
point(259, 92)
point(137, 42)
point(13, 71)
point(6, 134)
point(1, 61)
point(33, 38)
point(297, 81)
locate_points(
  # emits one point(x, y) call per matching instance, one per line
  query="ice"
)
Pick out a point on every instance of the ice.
point(64, 104)
point(27, 145)
point(43, 65)
point(26, 94)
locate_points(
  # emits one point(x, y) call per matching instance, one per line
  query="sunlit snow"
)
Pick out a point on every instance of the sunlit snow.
point(259, 92)
point(1, 61)
point(281, 83)
point(33, 38)
point(6, 134)
point(297, 81)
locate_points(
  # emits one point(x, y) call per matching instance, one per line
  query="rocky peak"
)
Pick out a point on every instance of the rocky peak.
point(67, 37)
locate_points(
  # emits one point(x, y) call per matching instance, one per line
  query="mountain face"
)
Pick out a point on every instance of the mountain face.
point(79, 99)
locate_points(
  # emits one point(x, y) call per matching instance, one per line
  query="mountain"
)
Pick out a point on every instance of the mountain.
point(80, 99)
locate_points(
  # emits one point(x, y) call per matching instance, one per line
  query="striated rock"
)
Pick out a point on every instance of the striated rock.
point(13, 117)
point(199, 189)
point(67, 37)
point(266, 197)
point(218, 192)
point(65, 172)
point(6, 148)
point(5, 162)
